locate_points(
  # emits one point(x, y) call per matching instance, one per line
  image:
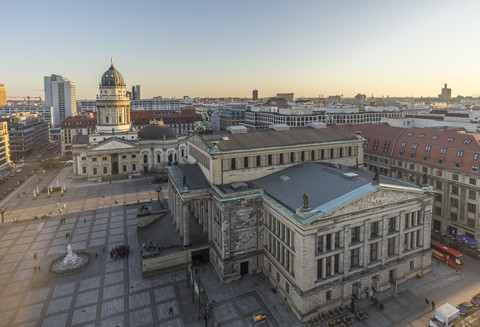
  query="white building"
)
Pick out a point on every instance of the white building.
point(61, 95)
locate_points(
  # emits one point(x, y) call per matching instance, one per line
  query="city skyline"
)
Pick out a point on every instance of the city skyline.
point(216, 49)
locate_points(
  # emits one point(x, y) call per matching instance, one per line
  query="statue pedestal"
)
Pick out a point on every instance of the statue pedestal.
point(305, 213)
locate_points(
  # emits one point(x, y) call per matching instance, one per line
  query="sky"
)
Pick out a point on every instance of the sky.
point(229, 48)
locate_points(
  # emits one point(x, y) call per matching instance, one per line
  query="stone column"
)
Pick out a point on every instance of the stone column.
point(340, 260)
point(186, 225)
point(420, 237)
point(414, 241)
point(324, 243)
point(332, 266)
point(407, 241)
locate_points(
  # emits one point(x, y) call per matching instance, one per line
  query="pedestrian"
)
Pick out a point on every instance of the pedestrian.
point(352, 306)
point(433, 305)
point(375, 300)
point(381, 307)
point(84, 220)
point(96, 255)
point(170, 311)
point(426, 301)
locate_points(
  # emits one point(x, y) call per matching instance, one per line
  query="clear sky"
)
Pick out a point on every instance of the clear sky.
point(228, 48)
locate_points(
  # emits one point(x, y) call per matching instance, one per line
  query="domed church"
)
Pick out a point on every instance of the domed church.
point(115, 148)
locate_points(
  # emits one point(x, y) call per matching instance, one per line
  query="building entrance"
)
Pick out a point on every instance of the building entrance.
point(114, 164)
point(244, 268)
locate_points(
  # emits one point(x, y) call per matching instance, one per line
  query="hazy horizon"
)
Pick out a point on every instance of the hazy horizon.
point(227, 49)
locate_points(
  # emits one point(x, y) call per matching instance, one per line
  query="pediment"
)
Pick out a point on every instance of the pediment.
point(380, 197)
point(113, 145)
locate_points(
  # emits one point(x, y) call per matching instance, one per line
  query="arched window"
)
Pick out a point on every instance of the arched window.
point(145, 158)
point(158, 158)
point(183, 153)
point(106, 119)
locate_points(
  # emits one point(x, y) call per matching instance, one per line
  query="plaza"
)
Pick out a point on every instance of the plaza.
point(111, 292)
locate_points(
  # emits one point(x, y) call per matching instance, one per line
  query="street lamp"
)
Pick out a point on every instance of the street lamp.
point(2, 212)
point(158, 188)
point(206, 312)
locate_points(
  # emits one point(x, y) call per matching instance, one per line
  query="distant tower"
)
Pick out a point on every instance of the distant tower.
point(255, 95)
point(135, 92)
point(446, 93)
point(3, 96)
point(60, 94)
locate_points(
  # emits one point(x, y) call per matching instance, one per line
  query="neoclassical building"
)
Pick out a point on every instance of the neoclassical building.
point(289, 203)
point(115, 148)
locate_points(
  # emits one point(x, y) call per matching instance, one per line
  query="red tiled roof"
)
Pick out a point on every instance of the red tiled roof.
point(441, 148)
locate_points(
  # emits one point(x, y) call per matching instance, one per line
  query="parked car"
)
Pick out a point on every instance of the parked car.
point(465, 308)
point(476, 300)
point(18, 170)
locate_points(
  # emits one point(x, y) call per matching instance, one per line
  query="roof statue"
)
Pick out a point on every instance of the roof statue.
point(329, 119)
point(376, 178)
point(306, 205)
point(111, 61)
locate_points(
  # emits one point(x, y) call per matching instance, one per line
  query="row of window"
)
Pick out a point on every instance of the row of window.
point(105, 169)
point(285, 158)
point(280, 230)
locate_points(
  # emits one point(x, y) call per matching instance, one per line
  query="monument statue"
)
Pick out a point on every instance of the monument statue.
point(306, 205)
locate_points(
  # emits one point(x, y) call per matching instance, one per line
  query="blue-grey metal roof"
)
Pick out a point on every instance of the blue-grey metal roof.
point(194, 177)
point(326, 187)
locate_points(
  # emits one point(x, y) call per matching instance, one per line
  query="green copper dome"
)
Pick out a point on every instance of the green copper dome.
point(112, 77)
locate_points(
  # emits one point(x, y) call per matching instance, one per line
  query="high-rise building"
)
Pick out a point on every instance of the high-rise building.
point(446, 93)
point(255, 95)
point(3, 96)
point(135, 92)
point(4, 149)
point(60, 94)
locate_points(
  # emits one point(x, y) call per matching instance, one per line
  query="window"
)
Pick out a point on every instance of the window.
point(104, 158)
point(440, 161)
point(84, 170)
point(474, 168)
point(434, 137)
point(427, 148)
point(134, 167)
point(399, 164)
point(269, 159)
point(281, 158)
point(124, 156)
point(454, 202)
point(412, 265)
point(328, 241)
point(354, 257)
point(438, 185)
point(258, 161)
point(421, 135)
point(414, 145)
point(457, 164)
point(472, 194)
point(134, 155)
point(319, 269)
point(373, 252)
point(105, 170)
point(94, 171)
point(287, 287)
point(302, 156)
point(399, 174)
point(391, 246)
point(471, 208)
point(391, 224)
point(470, 222)
point(450, 139)
point(278, 276)
point(245, 162)
point(410, 134)
point(425, 169)
point(473, 181)
point(412, 166)
point(328, 296)
point(459, 153)
point(355, 234)
point(124, 168)
point(94, 159)
point(437, 210)
point(425, 158)
point(453, 216)
point(337, 239)
point(145, 158)
point(84, 158)
point(319, 244)
point(454, 189)
point(443, 150)
point(292, 157)
point(467, 141)
point(403, 144)
point(475, 156)
point(233, 165)
point(374, 229)
point(455, 177)
point(438, 197)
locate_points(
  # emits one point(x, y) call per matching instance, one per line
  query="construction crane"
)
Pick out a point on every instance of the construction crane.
point(25, 98)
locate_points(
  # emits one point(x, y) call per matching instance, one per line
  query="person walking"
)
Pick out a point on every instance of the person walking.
point(426, 301)
point(170, 311)
point(433, 305)
point(381, 307)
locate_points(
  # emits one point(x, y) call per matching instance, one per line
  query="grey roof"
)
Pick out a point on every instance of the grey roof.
point(157, 132)
point(80, 139)
point(271, 138)
point(321, 183)
point(195, 179)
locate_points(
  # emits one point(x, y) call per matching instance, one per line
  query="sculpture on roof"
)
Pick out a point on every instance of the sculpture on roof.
point(376, 178)
point(306, 205)
point(329, 119)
